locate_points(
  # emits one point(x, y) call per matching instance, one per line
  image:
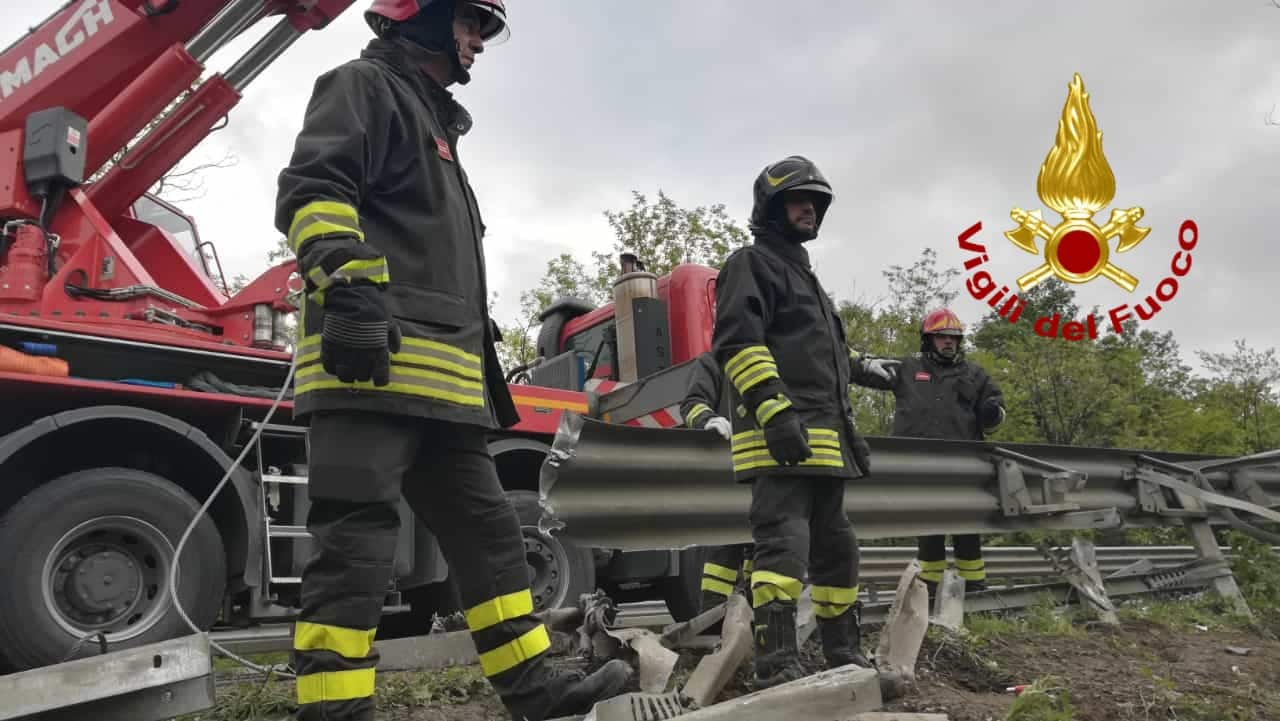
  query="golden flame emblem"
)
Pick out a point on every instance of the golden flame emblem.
point(1076, 181)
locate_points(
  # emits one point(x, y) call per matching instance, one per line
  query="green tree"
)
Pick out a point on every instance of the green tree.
point(662, 234)
point(1244, 381)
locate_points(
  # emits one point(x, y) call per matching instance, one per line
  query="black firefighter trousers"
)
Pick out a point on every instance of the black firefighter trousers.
point(360, 463)
point(799, 525)
point(932, 553)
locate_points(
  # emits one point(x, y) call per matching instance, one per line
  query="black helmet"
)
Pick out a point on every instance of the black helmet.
point(793, 173)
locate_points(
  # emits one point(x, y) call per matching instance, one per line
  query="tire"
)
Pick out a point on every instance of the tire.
point(683, 592)
point(114, 531)
point(559, 570)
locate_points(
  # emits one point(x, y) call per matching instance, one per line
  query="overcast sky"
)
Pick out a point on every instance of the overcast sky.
point(925, 117)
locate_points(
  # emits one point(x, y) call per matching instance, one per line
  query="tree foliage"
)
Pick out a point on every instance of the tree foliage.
point(661, 233)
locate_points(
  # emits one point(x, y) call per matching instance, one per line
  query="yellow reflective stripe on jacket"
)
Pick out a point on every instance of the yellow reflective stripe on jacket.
point(373, 270)
point(513, 653)
point(750, 450)
point(770, 408)
point(320, 217)
point(335, 685)
point(696, 412)
point(496, 610)
point(750, 367)
point(450, 374)
point(346, 642)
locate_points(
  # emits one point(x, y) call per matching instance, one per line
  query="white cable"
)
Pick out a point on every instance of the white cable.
point(177, 554)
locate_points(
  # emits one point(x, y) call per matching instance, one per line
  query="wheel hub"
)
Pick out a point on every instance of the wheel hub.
point(105, 582)
point(548, 566)
point(108, 575)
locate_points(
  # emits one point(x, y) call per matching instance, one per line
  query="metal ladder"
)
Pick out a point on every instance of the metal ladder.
point(270, 482)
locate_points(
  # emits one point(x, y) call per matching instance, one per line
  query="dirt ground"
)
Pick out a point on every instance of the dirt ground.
point(1146, 669)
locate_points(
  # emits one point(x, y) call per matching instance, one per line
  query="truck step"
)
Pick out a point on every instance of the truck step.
point(275, 531)
point(278, 429)
point(278, 478)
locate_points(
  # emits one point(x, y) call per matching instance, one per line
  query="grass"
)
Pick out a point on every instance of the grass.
point(1047, 699)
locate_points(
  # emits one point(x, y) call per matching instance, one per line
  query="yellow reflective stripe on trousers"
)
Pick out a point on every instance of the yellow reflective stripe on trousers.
point(695, 412)
point(716, 586)
point(496, 610)
point(335, 685)
point(320, 217)
point(751, 366)
point(373, 270)
point(346, 642)
point(831, 601)
point(970, 564)
point(511, 654)
point(767, 586)
point(721, 572)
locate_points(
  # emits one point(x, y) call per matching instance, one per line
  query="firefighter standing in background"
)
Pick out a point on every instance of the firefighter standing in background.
point(782, 346)
point(396, 369)
point(938, 394)
point(702, 409)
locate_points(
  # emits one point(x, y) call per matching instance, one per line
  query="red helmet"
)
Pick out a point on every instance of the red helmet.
point(941, 322)
point(494, 30)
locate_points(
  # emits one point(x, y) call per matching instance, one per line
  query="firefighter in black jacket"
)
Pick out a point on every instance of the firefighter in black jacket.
point(702, 409)
point(782, 346)
point(939, 395)
point(396, 369)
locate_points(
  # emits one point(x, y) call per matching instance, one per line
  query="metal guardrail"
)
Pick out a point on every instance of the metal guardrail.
point(879, 564)
point(636, 488)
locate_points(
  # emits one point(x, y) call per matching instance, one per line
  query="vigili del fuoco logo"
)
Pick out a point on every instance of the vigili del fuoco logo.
point(1076, 182)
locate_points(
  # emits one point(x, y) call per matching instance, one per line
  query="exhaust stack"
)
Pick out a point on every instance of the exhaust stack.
point(644, 338)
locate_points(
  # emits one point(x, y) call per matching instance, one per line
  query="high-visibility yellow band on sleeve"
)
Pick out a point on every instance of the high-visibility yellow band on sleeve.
point(323, 217)
point(373, 270)
point(698, 410)
point(750, 367)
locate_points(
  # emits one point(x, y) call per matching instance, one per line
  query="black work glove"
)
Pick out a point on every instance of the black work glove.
point(359, 335)
point(861, 454)
point(991, 413)
point(787, 439)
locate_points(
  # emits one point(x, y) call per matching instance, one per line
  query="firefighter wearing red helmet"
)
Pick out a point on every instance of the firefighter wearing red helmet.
point(780, 342)
point(396, 369)
point(939, 394)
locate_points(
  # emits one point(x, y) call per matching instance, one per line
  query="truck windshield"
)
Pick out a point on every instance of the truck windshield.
point(585, 343)
point(162, 216)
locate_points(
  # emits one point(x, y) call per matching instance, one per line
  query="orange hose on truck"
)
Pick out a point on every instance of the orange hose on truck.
point(12, 361)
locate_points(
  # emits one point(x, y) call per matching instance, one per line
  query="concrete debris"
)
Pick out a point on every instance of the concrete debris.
point(903, 633)
point(895, 716)
point(678, 634)
point(1239, 651)
point(655, 660)
point(949, 608)
point(833, 695)
point(715, 670)
point(637, 707)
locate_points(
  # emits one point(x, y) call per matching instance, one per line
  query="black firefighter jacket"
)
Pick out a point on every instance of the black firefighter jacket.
point(706, 396)
point(936, 400)
point(776, 331)
point(377, 163)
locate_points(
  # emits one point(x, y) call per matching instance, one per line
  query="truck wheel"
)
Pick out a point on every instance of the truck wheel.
point(683, 593)
point(559, 570)
point(89, 553)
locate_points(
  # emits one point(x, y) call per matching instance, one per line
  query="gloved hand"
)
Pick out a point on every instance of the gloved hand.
point(359, 335)
point(861, 454)
point(720, 425)
point(787, 439)
point(886, 368)
point(991, 413)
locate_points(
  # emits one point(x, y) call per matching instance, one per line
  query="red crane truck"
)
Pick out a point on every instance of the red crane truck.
point(131, 379)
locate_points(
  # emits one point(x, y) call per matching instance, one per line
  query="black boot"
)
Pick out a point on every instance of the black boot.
point(975, 585)
point(777, 658)
point(570, 693)
point(842, 639)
